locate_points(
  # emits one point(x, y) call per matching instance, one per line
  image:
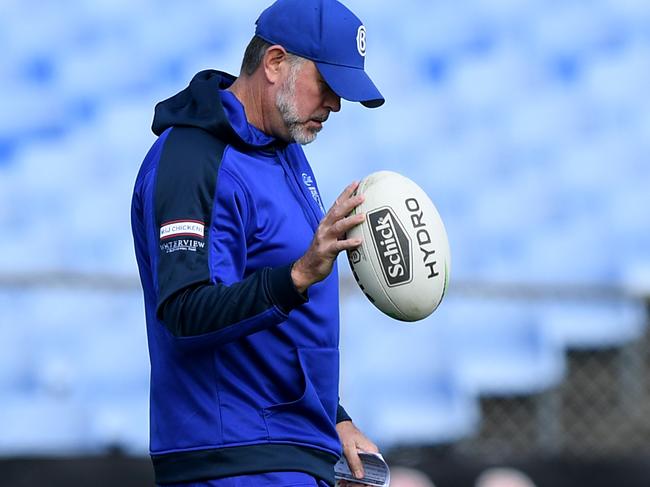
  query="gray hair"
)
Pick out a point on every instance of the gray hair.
point(255, 52)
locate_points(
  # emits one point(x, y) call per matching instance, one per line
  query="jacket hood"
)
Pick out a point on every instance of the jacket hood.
point(206, 105)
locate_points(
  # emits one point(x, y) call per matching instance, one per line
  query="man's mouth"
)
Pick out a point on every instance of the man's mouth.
point(321, 119)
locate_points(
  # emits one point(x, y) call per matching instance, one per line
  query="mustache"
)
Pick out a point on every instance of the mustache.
point(321, 118)
point(301, 121)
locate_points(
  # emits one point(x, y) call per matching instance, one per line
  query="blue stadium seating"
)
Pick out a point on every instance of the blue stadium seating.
point(43, 424)
point(498, 348)
point(16, 358)
point(119, 422)
point(398, 381)
point(594, 326)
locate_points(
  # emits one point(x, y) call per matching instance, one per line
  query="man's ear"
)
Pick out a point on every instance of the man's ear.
point(273, 63)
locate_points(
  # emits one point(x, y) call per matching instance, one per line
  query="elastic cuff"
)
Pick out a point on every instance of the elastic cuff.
point(342, 415)
point(283, 292)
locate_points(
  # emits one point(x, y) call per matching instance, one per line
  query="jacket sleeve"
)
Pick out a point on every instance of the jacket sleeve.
point(341, 414)
point(201, 214)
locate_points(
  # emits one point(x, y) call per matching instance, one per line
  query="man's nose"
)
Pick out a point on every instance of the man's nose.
point(332, 101)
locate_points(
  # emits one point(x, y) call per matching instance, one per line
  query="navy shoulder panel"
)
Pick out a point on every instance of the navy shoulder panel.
point(183, 199)
point(191, 299)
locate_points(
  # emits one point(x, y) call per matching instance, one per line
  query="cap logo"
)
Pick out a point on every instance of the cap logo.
point(361, 40)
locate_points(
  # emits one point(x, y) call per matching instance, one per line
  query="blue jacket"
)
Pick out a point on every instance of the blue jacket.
point(244, 369)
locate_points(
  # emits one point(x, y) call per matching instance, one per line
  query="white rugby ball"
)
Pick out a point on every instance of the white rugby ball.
point(403, 264)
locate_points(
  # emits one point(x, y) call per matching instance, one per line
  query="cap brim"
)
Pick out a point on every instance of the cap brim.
point(351, 84)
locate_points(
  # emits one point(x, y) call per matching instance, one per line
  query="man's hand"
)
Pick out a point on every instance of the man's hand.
point(353, 441)
point(316, 264)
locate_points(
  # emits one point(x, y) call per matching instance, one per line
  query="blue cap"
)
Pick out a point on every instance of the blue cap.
point(329, 34)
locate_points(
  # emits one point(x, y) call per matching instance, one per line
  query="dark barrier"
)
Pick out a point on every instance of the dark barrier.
point(458, 471)
point(105, 471)
point(452, 471)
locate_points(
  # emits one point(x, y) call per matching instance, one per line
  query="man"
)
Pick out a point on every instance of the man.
point(237, 260)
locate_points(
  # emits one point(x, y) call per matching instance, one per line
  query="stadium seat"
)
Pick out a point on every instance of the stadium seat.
point(617, 80)
point(397, 382)
point(42, 424)
point(100, 349)
point(635, 278)
point(16, 353)
point(569, 253)
point(627, 222)
point(587, 325)
point(120, 422)
point(498, 348)
point(41, 112)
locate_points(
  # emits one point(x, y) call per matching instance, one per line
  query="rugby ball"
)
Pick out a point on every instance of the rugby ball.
point(403, 264)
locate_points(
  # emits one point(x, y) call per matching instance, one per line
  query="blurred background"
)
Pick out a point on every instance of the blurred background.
point(526, 121)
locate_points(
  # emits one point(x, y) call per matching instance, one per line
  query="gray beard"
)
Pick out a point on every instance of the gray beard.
point(285, 101)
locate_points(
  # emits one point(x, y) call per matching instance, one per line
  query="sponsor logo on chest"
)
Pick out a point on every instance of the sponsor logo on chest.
point(311, 186)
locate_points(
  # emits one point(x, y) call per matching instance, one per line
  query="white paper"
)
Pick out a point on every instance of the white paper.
point(375, 469)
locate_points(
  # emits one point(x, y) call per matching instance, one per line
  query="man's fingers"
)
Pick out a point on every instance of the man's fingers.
point(347, 244)
point(343, 208)
point(372, 448)
point(326, 245)
point(367, 446)
point(347, 192)
point(354, 462)
point(345, 203)
point(342, 226)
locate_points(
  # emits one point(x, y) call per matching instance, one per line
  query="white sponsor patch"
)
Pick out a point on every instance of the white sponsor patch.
point(185, 244)
point(182, 228)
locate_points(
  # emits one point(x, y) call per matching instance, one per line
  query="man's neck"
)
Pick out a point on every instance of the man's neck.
point(245, 91)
